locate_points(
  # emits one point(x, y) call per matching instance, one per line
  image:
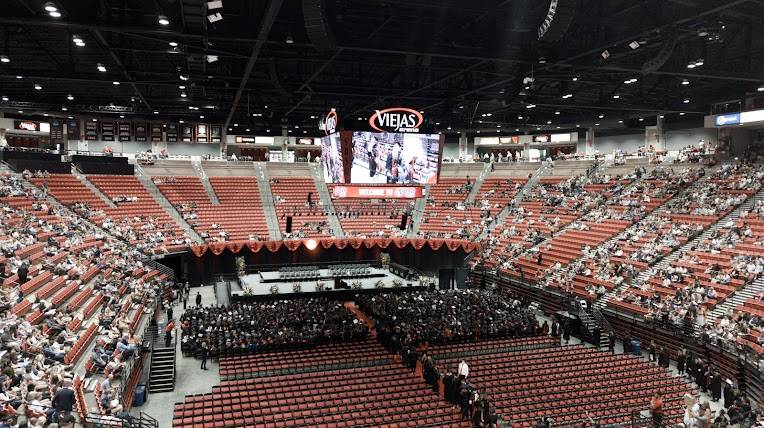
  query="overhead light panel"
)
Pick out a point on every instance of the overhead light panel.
point(101, 68)
point(37, 87)
point(601, 116)
point(215, 17)
point(163, 20)
point(79, 41)
point(760, 89)
point(681, 114)
point(566, 96)
point(64, 109)
point(214, 4)
point(212, 58)
point(685, 82)
point(4, 98)
point(616, 96)
point(5, 59)
point(183, 95)
point(686, 101)
point(174, 44)
point(50, 7)
point(115, 83)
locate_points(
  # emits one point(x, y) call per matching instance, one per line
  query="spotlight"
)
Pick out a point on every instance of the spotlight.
point(215, 17)
point(19, 77)
point(181, 86)
point(121, 116)
point(620, 121)
point(548, 122)
point(215, 4)
point(557, 113)
point(101, 68)
point(163, 20)
point(691, 65)
point(5, 59)
point(699, 62)
point(542, 60)
point(182, 121)
point(519, 117)
point(597, 124)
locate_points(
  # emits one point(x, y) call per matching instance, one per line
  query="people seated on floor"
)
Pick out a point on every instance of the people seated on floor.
point(411, 319)
point(270, 325)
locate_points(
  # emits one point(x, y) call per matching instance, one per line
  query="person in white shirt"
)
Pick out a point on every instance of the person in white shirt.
point(463, 370)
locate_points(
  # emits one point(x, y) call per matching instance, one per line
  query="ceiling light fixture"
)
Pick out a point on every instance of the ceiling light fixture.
point(601, 116)
point(575, 78)
point(37, 87)
point(566, 96)
point(685, 82)
point(686, 101)
point(50, 7)
point(55, 14)
point(634, 45)
point(760, 89)
point(289, 39)
point(531, 106)
point(64, 109)
point(217, 4)
point(681, 114)
point(5, 59)
point(183, 95)
point(163, 20)
point(557, 113)
point(174, 44)
point(181, 121)
point(5, 98)
point(19, 77)
point(641, 119)
point(214, 17)
point(156, 112)
point(616, 96)
point(115, 83)
point(201, 116)
point(101, 68)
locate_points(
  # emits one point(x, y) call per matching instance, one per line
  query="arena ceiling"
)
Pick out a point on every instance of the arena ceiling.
point(469, 65)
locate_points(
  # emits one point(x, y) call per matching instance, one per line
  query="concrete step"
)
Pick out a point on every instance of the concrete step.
point(169, 208)
point(323, 192)
point(266, 196)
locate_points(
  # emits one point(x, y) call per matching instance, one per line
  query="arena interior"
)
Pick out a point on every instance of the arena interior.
point(396, 213)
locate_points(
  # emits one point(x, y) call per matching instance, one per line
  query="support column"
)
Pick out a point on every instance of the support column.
point(589, 149)
point(660, 140)
point(463, 155)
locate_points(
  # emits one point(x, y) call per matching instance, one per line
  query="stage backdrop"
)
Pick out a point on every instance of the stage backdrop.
point(426, 255)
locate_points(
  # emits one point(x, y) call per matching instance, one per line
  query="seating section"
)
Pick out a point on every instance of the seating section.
point(290, 196)
point(324, 355)
point(380, 395)
point(240, 214)
point(363, 217)
point(567, 383)
point(446, 215)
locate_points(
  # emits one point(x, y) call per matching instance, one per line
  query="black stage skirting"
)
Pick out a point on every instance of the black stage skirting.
point(106, 168)
point(322, 277)
point(102, 159)
point(342, 295)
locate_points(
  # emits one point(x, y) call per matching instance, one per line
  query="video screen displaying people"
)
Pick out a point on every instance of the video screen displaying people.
point(395, 158)
point(331, 157)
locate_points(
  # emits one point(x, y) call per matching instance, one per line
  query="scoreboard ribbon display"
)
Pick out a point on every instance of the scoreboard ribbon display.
point(373, 192)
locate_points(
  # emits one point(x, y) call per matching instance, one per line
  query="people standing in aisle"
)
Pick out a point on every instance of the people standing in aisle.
point(198, 299)
point(168, 333)
point(463, 370)
point(185, 299)
point(611, 342)
point(681, 358)
point(204, 353)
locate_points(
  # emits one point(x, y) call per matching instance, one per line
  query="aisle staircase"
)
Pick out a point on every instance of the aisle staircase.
point(168, 207)
point(197, 165)
point(266, 196)
point(519, 196)
point(478, 183)
point(748, 291)
point(162, 372)
point(323, 192)
point(84, 180)
point(667, 260)
point(416, 216)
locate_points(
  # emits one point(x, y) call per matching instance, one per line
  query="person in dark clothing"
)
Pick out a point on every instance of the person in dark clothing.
point(729, 393)
point(663, 357)
point(168, 333)
point(464, 400)
point(566, 331)
point(169, 312)
point(198, 299)
point(22, 273)
point(203, 354)
point(185, 299)
point(63, 401)
point(611, 342)
point(681, 358)
point(716, 386)
point(539, 258)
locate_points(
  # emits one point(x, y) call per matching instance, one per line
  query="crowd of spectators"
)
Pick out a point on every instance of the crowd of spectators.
point(407, 320)
point(271, 325)
point(37, 341)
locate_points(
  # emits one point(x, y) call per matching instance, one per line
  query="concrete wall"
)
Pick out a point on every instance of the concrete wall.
point(194, 149)
point(675, 140)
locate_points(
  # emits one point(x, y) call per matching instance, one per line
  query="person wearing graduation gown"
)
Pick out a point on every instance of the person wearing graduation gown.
point(716, 386)
point(555, 330)
point(729, 394)
point(663, 357)
point(700, 377)
point(681, 358)
point(566, 331)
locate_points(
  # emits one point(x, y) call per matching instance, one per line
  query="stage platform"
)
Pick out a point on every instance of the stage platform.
point(260, 285)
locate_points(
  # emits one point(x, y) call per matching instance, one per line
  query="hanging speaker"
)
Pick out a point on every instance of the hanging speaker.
point(289, 224)
point(404, 221)
point(317, 25)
